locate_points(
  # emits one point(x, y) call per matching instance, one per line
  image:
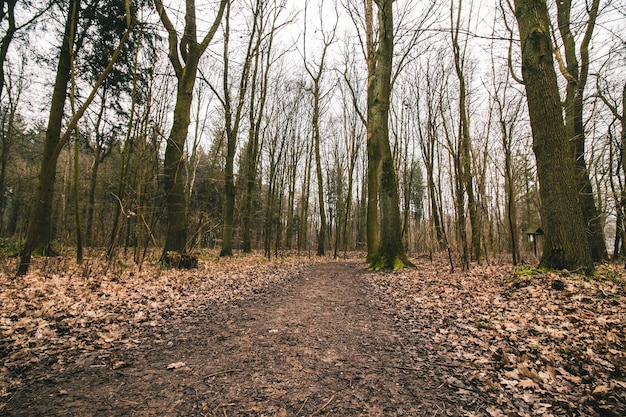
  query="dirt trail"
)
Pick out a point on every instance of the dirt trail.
point(322, 343)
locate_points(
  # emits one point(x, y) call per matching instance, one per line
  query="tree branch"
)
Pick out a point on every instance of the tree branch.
point(172, 37)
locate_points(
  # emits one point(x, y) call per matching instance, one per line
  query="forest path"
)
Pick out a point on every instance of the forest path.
point(321, 343)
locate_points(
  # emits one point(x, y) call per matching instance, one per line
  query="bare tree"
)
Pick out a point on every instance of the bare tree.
point(316, 74)
point(184, 53)
point(390, 253)
point(465, 141)
point(234, 115)
point(508, 112)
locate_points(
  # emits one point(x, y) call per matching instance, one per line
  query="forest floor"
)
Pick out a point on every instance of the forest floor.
point(304, 337)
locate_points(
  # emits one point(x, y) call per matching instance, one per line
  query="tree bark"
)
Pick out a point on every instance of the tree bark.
point(39, 234)
point(390, 253)
point(576, 75)
point(373, 153)
point(566, 244)
point(321, 235)
point(190, 50)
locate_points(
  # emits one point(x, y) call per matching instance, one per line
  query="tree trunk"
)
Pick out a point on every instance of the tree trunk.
point(39, 225)
point(321, 235)
point(303, 216)
point(576, 75)
point(390, 253)
point(566, 244)
point(190, 50)
point(623, 163)
point(373, 153)
point(7, 38)
point(232, 126)
point(176, 238)
point(465, 145)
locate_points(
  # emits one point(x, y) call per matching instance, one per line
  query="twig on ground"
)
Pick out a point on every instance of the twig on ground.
point(303, 404)
point(325, 405)
point(228, 371)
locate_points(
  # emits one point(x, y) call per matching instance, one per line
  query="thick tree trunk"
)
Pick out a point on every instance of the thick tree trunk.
point(176, 238)
point(373, 153)
point(566, 244)
point(390, 253)
point(190, 50)
point(576, 75)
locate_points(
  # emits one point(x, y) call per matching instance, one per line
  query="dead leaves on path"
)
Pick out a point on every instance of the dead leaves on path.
point(89, 307)
point(551, 344)
point(545, 345)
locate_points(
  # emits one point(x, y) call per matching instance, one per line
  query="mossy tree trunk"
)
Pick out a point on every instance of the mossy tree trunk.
point(373, 153)
point(566, 244)
point(390, 253)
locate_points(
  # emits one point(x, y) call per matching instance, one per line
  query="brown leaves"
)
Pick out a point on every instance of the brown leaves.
point(533, 346)
point(92, 307)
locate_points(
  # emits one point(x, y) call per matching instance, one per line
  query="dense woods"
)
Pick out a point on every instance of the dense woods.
point(396, 128)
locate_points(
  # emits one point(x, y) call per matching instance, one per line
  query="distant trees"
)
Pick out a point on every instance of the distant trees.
point(360, 137)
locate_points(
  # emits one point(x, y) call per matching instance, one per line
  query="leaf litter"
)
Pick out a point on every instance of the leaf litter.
point(550, 344)
point(91, 307)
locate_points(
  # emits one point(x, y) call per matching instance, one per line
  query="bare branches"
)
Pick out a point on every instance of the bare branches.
point(172, 37)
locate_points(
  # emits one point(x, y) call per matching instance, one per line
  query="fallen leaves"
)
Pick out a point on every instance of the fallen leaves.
point(551, 344)
point(546, 345)
point(91, 307)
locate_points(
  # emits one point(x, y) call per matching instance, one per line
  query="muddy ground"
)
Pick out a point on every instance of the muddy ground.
point(321, 342)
